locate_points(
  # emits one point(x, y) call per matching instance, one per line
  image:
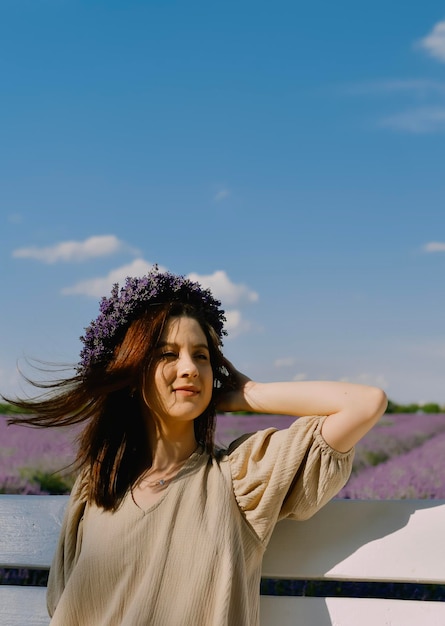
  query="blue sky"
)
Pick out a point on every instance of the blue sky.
point(289, 155)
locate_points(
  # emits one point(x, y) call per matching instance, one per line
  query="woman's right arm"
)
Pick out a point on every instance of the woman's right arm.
point(351, 409)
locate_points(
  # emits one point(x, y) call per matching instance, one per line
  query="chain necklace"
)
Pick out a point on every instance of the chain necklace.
point(161, 483)
point(164, 481)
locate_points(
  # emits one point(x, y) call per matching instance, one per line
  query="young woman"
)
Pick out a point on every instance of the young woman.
point(162, 528)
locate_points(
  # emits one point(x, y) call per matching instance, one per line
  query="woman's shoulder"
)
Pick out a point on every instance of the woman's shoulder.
point(79, 493)
point(243, 443)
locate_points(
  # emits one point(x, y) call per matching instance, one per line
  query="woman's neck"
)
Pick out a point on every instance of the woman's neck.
point(170, 447)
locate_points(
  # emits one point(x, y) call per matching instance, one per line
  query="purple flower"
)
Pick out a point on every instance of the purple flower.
point(415, 474)
point(122, 307)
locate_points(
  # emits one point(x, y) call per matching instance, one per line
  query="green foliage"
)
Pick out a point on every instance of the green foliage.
point(392, 406)
point(48, 482)
point(375, 458)
point(8, 409)
point(431, 407)
point(407, 408)
point(54, 484)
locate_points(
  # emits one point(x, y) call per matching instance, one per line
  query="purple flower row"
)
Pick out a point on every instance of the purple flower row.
point(395, 435)
point(416, 474)
point(230, 426)
point(25, 451)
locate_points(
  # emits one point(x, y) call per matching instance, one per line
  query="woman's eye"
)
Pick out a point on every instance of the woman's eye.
point(168, 355)
point(202, 357)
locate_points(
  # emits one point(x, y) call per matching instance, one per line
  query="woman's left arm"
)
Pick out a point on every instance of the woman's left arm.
point(351, 409)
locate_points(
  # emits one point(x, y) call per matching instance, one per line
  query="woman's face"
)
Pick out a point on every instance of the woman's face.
point(179, 387)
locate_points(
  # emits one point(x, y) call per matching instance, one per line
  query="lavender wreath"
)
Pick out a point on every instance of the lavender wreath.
point(125, 305)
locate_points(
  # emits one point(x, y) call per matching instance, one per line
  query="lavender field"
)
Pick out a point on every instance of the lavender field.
point(32, 460)
point(402, 457)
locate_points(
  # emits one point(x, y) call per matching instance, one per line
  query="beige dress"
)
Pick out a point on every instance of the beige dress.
point(194, 557)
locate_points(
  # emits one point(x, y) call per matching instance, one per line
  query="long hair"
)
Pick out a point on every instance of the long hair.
point(113, 446)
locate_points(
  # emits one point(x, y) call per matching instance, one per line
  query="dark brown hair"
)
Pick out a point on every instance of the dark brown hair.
point(113, 445)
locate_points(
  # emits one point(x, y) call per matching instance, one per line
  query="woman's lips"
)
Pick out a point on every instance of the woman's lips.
point(187, 391)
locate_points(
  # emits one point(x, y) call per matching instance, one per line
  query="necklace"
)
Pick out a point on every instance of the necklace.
point(164, 481)
point(161, 483)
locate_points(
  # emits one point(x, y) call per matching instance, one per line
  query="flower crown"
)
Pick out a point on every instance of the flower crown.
point(126, 305)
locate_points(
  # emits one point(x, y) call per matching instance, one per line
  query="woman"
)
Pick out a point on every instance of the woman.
point(162, 528)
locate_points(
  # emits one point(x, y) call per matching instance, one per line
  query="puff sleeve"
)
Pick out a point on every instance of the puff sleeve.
point(286, 473)
point(69, 544)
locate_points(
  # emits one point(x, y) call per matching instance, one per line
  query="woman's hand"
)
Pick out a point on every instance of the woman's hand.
point(352, 409)
point(233, 398)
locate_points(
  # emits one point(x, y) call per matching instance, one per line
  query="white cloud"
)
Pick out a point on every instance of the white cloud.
point(15, 218)
point(284, 362)
point(10, 380)
point(417, 121)
point(236, 324)
point(434, 42)
point(219, 283)
point(98, 246)
point(222, 288)
point(377, 380)
point(231, 295)
point(221, 195)
point(427, 114)
point(418, 87)
point(434, 246)
point(431, 350)
point(300, 377)
point(98, 287)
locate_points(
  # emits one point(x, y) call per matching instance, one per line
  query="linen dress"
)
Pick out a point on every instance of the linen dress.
point(193, 558)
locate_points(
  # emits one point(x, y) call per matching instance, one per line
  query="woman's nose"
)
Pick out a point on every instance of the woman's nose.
point(187, 366)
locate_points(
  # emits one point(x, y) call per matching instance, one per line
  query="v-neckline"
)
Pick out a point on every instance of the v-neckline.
point(189, 463)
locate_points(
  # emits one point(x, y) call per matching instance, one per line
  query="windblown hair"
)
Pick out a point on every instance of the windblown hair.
point(113, 447)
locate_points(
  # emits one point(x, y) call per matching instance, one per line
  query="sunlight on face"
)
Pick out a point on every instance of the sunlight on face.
point(180, 385)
